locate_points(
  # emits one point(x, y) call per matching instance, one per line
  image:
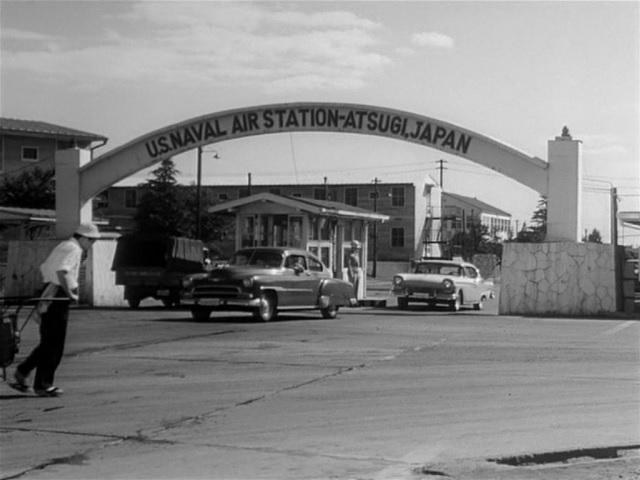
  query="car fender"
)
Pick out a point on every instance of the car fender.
point(335, 292)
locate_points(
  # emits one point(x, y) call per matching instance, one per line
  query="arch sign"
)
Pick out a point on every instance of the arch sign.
point(167, 142)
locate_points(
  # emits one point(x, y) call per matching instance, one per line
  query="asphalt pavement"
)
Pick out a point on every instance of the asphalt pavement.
point(375, 394)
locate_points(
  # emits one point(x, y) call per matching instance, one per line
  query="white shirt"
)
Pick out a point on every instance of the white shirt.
point(66, 256)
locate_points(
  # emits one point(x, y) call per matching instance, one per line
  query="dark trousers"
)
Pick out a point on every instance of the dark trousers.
point(46, 357)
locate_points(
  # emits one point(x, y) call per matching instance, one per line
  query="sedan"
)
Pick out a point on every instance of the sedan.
point(265, 281)
point(452, 283)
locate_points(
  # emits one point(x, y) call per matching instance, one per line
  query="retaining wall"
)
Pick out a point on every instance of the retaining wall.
point(561, 278)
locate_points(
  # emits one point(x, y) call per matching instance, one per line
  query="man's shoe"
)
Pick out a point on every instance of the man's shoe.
point(49, 392)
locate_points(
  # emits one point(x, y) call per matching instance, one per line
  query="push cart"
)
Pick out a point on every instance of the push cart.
point(11, 310)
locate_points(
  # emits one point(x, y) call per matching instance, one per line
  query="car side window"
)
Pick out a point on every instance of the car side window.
point(315, 265)
point(293, 260)
point(471, 272)
point(267, 259)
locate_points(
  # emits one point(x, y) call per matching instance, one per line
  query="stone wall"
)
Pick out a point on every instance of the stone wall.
point(97, 282)
point(563, 278)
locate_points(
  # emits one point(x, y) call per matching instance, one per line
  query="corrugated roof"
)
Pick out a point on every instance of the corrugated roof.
point(480, 205)
point(34, 127)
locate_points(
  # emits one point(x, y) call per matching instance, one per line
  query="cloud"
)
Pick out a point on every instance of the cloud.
point(432, 39)
point(213, 44)
point(16, 34)
point(603, 144)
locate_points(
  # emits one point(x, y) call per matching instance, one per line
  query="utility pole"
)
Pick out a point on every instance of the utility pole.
point(326, 189)
point(614, 216)
point(199, 190)
point(198, 195)
point(441, 168)
point(374, 270)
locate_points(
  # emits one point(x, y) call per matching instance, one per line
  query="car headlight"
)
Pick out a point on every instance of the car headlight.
point(447, 284)
point(397, 281)
point(187, 282)
point(247, 282)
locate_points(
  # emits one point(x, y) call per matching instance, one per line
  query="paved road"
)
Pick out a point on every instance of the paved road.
point(374, 394)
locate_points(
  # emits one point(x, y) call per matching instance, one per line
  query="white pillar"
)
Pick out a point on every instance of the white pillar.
point(564, 200)
point(69, 210)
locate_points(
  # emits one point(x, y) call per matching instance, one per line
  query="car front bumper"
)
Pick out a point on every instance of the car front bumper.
point(426, 296)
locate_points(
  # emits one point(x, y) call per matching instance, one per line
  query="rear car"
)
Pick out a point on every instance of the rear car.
point(266, 281)
point(446, 282)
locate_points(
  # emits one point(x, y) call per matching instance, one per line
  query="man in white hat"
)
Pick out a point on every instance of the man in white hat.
point(60, 275)
point(353, 265)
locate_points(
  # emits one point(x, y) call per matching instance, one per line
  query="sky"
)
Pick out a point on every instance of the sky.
point(514, 71)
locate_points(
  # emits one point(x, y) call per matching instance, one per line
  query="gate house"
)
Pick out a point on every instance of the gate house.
point(324, 228)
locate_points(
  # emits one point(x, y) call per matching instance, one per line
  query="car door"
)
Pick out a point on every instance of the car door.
point(473, 288)
point(302, 284)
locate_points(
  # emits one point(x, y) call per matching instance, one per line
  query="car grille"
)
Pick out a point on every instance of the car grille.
point(217, 291)
point(423, 291)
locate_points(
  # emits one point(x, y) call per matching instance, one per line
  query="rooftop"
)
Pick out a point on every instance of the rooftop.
point(14, 126)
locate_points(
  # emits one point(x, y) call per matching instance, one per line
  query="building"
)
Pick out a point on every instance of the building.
point(412, 205)
point(25, 144)
point(326, 228)
point(459, 214)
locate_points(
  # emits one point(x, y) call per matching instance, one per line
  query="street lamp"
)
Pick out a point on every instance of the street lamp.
point(198, 190)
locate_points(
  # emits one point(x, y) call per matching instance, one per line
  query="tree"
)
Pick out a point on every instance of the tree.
point(537, 232)
point(475, 240)
point(160, 210)
point(33, 188)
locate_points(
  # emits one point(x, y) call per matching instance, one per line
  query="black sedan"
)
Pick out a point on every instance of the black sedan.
point(264, 281)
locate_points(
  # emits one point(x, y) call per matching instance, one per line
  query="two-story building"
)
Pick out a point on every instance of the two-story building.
point(26, 144)
point(412, 205)
point(459, 214)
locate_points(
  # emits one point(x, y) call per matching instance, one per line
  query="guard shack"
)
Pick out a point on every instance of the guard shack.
point(325, 228)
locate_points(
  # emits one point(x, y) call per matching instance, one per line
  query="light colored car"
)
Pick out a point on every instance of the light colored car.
point(264, 281)
point(455, 284)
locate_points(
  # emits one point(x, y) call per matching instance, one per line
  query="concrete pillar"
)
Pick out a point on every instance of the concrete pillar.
point(564, 200)
point(69, 210)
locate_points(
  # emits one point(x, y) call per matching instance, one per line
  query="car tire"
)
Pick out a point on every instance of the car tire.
point(167, 302)
point(480, 304)
point(403, 303)
point(455, 305)
point(330, 312)
point(133, 302)
point(267, 310)
point(200, 314)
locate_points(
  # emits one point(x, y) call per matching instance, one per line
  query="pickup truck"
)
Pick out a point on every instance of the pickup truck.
point(154, 266)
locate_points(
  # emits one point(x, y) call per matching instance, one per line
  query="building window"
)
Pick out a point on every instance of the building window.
point(275, 191)
point(397, 196)
point(397, 237)
point(223, 197)
point(319, 194)
point(130, 198)
point(243, 192)
point(297, 195)
point(30, 154)
point(351, 196)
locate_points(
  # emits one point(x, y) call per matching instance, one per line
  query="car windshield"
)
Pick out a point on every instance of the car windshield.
point(439, 269)
point(258, 258)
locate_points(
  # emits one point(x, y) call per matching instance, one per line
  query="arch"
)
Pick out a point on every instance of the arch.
point(172, 140)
